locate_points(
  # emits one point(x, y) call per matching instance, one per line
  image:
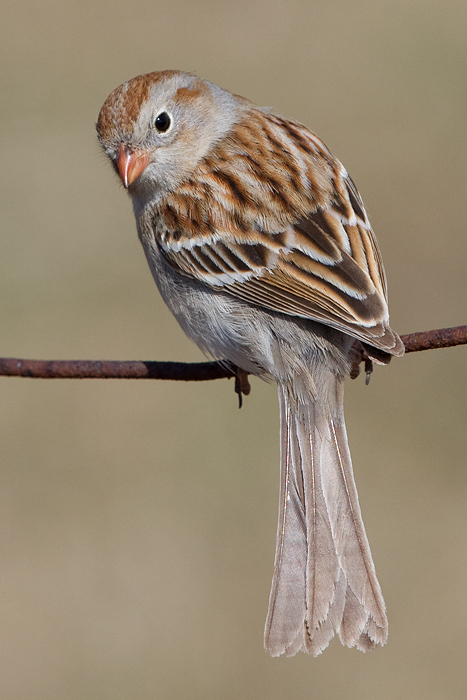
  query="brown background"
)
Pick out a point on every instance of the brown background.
point(137, 519)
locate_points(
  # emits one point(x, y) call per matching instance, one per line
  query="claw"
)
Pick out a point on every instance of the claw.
point(356, 358)
point(242, 385)
point(368, 370)
point(358, 355)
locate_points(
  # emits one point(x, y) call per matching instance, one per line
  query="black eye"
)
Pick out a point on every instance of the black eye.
point(162, 122)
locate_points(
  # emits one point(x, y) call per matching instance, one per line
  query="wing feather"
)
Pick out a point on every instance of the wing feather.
point(307, 252)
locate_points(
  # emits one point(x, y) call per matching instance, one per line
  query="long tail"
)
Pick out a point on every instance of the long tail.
point(324, 578)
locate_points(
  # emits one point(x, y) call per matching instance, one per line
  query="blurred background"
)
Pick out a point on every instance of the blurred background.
point(138, 519)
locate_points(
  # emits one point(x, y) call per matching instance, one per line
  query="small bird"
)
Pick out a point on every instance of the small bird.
point(260, 245)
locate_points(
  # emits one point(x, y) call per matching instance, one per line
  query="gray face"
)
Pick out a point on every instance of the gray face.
point(173, 119)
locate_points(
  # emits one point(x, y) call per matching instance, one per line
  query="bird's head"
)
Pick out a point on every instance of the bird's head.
point(157, 127)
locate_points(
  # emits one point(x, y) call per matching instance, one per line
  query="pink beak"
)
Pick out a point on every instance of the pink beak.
point(131, 164)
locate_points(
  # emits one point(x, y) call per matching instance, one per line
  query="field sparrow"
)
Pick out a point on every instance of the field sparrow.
point(260, 245)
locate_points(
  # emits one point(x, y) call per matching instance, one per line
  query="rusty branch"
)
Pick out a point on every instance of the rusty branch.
point(431, 340)
point(182, 371)
point(107, 369)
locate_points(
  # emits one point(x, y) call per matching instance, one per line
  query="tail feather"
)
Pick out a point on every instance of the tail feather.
point(324, 579)
point(285, 622)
